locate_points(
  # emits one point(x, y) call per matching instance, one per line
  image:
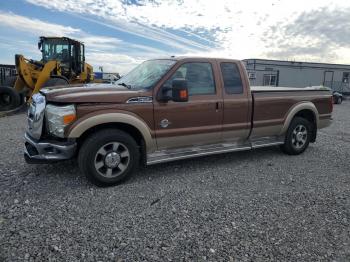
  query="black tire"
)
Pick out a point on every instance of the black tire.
point(297, 140)
point(90, 157)
point(10, 81)
point(335, 99)
point(9, 98)
point(339, 100)
point(56, 81)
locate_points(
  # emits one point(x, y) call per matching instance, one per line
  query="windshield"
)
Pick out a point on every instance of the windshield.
point(55, 50)
point(145, 75)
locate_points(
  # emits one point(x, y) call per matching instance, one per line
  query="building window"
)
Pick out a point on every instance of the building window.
point(270, 80)
point(252, 75)
point(346, 77)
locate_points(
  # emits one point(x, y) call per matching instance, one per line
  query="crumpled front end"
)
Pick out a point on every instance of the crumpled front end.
point(39, 149)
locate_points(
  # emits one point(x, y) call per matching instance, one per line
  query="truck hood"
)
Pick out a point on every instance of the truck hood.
point(91, 93)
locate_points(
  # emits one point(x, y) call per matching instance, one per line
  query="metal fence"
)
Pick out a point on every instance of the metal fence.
point(5, 71)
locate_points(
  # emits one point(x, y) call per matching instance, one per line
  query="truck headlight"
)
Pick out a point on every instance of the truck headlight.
point(58, 117)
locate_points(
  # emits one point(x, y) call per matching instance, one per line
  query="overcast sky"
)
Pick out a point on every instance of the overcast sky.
point(120, 33)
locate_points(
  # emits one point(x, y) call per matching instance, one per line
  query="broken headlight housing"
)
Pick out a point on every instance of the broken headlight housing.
point(58, 118)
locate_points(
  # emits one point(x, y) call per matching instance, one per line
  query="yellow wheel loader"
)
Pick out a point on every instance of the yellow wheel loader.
point(62, 63)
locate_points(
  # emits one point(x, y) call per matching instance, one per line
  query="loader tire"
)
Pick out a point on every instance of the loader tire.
point(9, 98)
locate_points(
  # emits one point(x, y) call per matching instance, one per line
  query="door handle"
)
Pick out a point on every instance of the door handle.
point(217, 106)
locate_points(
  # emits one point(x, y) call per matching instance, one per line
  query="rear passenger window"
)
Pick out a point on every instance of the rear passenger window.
point(199, 76)
point(232, 78)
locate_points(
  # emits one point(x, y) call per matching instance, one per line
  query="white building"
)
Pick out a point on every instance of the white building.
point(263, 72)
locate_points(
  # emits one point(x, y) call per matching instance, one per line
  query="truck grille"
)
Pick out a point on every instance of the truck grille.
point(36, 115)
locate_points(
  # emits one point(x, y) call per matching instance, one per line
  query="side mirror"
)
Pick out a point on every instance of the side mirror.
point(179, 90)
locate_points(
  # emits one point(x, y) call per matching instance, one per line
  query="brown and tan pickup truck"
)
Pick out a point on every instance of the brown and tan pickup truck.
point(170, 109)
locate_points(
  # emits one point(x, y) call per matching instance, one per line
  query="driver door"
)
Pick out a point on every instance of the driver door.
point(196, 122)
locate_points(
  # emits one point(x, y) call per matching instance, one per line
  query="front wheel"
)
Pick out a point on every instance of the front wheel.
point(298, 136)
point(108, 157)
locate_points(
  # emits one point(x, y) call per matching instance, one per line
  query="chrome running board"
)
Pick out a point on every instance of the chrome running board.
point(267, 141)
point(197, 151)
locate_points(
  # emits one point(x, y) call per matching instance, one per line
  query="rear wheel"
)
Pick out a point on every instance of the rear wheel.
point(108, 157)
point(9, 98)
point(298, 136)
point(339, 100)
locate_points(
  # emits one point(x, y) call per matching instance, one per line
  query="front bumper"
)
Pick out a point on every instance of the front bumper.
point(41, 151)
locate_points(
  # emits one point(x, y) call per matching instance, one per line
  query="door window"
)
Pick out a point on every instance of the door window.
point(232, 78)
point(199, 76)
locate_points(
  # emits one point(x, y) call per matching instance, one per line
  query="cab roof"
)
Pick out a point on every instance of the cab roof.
point(59, 38)
point(198, 58)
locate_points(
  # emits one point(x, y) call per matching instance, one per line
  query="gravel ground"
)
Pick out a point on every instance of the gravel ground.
point(250, 206)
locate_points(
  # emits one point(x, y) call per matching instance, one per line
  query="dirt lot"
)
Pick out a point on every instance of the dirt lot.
point(258, 205)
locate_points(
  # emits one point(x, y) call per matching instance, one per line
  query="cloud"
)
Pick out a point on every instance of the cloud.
point(35, 26)
point(332, 25)
point(100, 50)
point(123, 17)
point(98, 42)
point(316, 30)
point(312, 35)
point(38, 27)
point(233, 28)
point(113, 62)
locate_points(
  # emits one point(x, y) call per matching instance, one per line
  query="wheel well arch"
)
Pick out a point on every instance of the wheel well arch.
point(306, 110)
point(127, 128)
point(310, 116)
point(127, 122)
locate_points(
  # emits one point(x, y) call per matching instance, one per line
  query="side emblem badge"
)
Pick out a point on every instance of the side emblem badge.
point(164, 123)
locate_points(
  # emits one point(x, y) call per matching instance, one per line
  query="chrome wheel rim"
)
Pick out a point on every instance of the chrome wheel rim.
point(299, 136)
point(112, 159)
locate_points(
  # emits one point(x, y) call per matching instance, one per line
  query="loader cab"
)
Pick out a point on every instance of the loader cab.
point(68, 52)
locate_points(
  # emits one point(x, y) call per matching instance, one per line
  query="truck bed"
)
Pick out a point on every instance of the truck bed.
point(255, 89)
point(272, 105)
